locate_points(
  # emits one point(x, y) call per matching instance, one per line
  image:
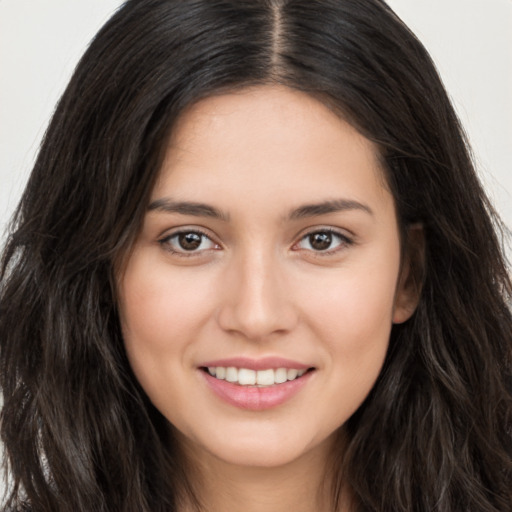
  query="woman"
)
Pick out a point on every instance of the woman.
point(255, 267)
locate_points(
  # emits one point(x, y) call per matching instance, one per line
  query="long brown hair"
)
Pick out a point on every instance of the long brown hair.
point(435, 433)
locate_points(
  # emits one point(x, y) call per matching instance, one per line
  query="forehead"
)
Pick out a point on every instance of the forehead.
point(268, 139)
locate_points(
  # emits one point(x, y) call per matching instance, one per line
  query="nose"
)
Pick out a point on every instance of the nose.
point(256, 302)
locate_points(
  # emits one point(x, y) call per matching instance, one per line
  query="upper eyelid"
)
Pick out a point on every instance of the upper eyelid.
point(171, 232)
point(344, 233)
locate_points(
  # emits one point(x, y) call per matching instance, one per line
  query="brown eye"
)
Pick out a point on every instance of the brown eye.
point(189, 241)
point(320, 241)
point(323, 241)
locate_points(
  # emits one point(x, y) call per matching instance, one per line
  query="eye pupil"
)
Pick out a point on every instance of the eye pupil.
point(189, 241)
point(320, 241)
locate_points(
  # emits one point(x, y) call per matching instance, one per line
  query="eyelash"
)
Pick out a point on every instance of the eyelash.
point(344, 241)
point(166, 242)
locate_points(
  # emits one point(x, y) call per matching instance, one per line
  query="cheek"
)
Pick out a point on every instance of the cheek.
point(352, 314)
point(358, 338)
point(354, 324)
point(161, 312)
point(158, 304)
point(353, 304)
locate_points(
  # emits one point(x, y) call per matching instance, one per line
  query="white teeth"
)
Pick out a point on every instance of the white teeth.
point(280, 375)
point(247, 377)
point(291, 374)
point(231, 374)
point(265, 377)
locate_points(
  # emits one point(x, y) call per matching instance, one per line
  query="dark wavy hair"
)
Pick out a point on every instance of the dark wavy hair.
point(435, 433)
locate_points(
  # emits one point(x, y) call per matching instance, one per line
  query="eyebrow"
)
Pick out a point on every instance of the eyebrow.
point(187, 208)
point(326, 207)
point(205, 210)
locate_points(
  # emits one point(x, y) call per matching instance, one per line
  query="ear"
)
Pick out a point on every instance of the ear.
point(410, 282)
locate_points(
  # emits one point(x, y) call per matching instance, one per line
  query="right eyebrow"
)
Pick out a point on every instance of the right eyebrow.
point(187, 208)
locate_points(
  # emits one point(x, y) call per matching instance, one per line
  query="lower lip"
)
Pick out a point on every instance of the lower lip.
point(256, 398)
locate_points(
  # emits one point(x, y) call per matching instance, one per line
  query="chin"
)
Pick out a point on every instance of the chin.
point(265, 449)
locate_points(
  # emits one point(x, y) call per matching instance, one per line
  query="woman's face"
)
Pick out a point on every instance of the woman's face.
point(257, 303)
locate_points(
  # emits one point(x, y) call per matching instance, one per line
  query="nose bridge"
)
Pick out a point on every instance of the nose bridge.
point(256, 303)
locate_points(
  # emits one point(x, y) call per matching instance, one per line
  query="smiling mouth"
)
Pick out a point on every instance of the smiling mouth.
point(255, 378)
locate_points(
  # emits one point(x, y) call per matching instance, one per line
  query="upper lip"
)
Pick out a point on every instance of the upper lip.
point(263, 363)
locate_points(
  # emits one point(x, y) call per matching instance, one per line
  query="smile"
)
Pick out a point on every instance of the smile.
point(258, 378)
point(258, 388)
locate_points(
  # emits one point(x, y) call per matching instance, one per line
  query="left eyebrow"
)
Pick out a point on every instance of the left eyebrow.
point(325, 207)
